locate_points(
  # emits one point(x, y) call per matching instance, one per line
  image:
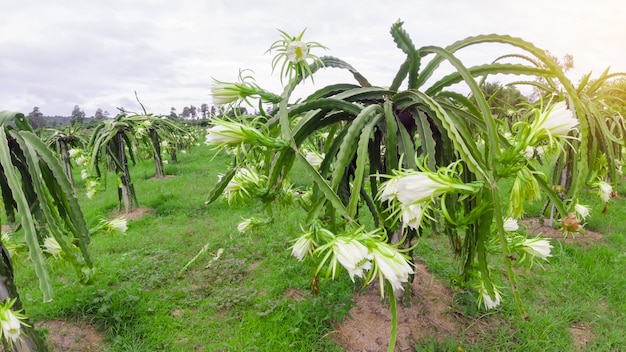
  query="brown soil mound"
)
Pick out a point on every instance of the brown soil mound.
point(431, 316)
point(68, 336)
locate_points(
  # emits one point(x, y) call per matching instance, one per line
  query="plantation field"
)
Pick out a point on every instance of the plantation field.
point(245, 292)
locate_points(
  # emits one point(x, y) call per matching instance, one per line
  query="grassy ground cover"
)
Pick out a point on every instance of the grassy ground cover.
point(256, 297)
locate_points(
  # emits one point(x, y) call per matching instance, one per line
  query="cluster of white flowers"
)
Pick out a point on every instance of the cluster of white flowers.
point(82, 159)
point(92, 188)
point(358, 252)
point(410, 193)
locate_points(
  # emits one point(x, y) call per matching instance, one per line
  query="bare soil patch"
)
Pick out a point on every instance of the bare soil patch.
point(541, 228)
point(69, 336)
point(582, 335)
point(430, 316)
point(166, 177)
point(134, 214)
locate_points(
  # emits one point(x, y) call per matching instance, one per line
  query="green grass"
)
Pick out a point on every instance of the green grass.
point(240, 302)
point(257, 297)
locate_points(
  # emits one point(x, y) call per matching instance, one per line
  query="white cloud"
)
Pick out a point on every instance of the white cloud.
point(97, 54)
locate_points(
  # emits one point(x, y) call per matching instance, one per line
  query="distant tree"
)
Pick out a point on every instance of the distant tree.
point(204, 109)
point(186, 112)
point(78, 116)
point(35, 118)
point(99, 114)
point(503, 100)
point(545, 85)
point(173, 113)
point(213, 110)
point(193, 111)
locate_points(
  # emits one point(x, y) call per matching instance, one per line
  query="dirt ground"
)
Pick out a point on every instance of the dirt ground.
point(541, 228)
point(70, 336)
point(430, 316)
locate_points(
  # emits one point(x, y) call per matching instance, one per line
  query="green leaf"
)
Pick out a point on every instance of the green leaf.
point(69, 202)
point(485, 70)
point(220, 186)
point(349, 143)
point(30, 233)
point(361, 163)
point(391, 150)
point(328, 192)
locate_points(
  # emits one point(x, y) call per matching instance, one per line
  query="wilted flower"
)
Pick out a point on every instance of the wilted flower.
point(510, 225)
point(245, 225)
point(11, 321)
point(52, 247)
point(141, 131)
point(147, 123)
point(164, 144)
point(537, 247)
point(73, 152)
point(485, 297)
point(91, 193)
point(582, 210)
point(303, 246)
point(84, 174)
point(605, 190)
point(412, 215)
point(118, 225)
point(390, 264)
point(571, 223)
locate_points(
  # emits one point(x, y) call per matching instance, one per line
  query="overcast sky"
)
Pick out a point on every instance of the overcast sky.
point(96, 54)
